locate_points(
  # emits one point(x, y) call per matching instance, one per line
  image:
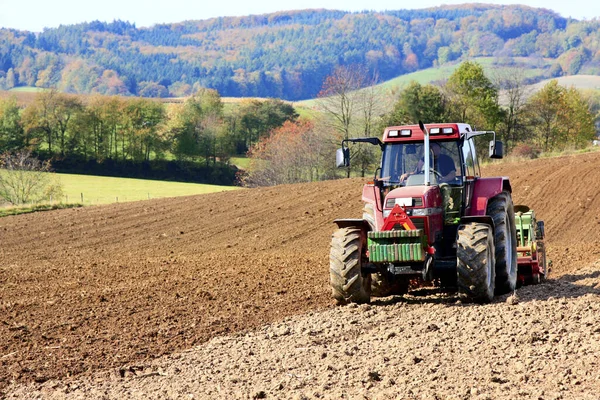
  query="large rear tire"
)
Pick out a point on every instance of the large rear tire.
point(475, 262)
point(346, 257)
point(501, 209)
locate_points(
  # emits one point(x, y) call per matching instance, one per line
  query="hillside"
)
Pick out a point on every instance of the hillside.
point(287, 54)
point(85, 292)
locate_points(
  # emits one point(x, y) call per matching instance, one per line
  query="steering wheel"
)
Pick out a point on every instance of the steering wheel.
point(436, 173)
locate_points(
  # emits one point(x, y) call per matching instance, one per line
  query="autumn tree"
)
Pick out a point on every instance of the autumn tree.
point(64, 110)
point(545, 109)
point(143, 122)
point(295, 152)
point(199, 129)
point(50, 117)
point(560, 117)
point(38, 118)
point(581, 127)
point(256, 118)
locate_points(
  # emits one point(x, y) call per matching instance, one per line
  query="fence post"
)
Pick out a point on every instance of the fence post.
point(81, 198)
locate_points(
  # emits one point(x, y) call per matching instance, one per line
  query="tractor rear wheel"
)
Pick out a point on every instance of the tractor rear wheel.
point(501, 209)
point(346, 257)
point(475, 262)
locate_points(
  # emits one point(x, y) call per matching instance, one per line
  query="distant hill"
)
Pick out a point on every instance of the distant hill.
point(288, 54)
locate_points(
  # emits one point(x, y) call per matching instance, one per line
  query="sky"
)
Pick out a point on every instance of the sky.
point(35, 15)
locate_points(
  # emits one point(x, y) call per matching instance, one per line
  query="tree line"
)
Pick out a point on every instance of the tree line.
point(288, 54)
point(132, 136)
point(194, 140)
point(555, 118)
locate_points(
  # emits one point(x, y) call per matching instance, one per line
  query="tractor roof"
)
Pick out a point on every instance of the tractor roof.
point(412, 133)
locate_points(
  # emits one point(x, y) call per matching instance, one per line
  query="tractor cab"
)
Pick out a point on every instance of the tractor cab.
point(452, 165)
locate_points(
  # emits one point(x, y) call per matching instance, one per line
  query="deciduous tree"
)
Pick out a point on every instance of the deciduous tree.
point(473, 98)
point(11, 129)
point(345, 106)
point(25, 179)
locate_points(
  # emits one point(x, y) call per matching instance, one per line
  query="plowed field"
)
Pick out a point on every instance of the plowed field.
point(91, 293)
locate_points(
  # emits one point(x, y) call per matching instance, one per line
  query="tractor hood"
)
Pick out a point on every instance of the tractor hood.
point(414, 196)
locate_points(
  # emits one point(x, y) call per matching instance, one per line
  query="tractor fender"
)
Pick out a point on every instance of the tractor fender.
point(348, 222)
point(484, 189)
point(372, 195)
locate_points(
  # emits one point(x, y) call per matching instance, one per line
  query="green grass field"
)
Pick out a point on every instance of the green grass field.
point(27, 89)
point(240, 162)
point(533, 69)
point(105, 190)
point(586, 82)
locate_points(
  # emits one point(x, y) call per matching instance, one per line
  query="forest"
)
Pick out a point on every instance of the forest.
point(194, 140)
point(139, 137)
point(288, 55)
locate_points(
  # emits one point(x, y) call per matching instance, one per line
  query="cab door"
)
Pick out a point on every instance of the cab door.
point(471, 170)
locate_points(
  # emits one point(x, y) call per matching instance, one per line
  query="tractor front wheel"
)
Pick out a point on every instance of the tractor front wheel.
point(348, 283)
point(475, 262)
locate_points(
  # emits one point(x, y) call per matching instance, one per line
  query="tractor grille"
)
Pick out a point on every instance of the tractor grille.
point(416, 202)
point(419, 223)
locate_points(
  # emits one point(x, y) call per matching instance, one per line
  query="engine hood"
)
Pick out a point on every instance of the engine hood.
point(429, 195)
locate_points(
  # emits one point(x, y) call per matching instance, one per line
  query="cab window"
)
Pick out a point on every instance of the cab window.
point(469, 157)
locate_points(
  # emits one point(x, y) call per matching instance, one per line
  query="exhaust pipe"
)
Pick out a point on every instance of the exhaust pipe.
point(426, 158)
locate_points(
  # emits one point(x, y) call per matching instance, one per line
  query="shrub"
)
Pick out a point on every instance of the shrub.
point(524, 150)
point(25, 179)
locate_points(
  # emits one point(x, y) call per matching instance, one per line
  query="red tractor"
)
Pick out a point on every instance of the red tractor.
point(428, 216)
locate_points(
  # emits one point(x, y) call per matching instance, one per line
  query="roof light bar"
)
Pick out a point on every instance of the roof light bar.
point(402, 132)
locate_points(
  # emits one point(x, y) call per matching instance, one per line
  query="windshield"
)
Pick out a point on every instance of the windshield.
point(404, 159)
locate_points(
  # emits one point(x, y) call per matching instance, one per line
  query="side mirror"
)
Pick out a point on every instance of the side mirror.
point(342, 157)
point(496, 149)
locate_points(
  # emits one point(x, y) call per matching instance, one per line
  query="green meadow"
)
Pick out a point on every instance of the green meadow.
point(105, 190)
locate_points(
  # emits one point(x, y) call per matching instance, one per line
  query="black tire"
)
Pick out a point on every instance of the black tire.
point(348, 284)
point(475, 262)
point(383, 286)
point(501, 209)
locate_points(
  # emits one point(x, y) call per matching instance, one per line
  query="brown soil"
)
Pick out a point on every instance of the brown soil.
point(96, 294)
